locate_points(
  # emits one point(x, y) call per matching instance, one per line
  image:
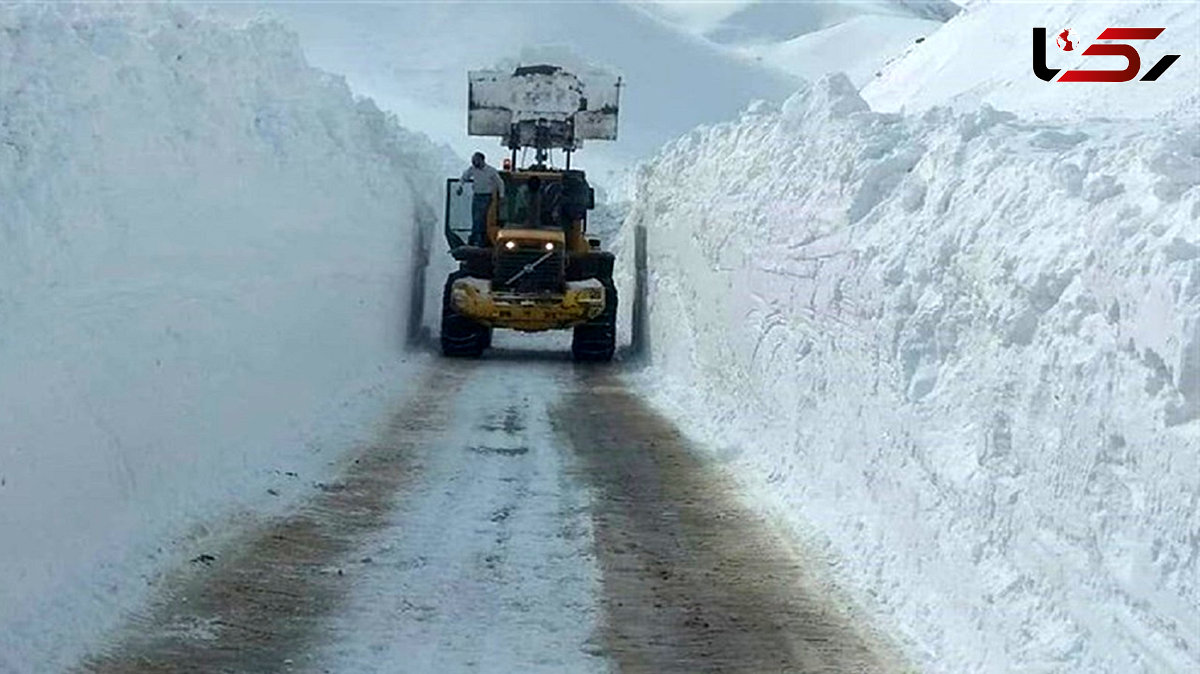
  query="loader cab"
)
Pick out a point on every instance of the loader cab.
point(535, 199)
point(542, 199)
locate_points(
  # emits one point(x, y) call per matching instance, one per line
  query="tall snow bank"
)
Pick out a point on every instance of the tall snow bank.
point(967, 349)
point(205, 254)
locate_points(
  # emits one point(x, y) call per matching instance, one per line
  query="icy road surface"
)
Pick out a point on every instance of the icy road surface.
point(520, 514)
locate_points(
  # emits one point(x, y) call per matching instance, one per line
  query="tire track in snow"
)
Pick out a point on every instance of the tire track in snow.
point(693, 580)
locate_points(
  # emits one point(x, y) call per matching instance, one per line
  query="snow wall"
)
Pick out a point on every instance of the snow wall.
point(206, 246)
point(967, 348)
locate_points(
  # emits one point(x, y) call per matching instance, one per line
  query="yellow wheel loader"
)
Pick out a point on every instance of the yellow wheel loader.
point(536, 269)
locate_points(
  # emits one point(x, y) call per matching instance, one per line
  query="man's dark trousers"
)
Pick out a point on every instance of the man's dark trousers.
point(479, 209)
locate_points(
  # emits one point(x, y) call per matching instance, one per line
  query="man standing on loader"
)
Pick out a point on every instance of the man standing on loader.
point(485, 180)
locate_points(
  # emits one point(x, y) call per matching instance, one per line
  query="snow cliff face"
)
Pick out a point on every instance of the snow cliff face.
point(205, 245)
point(968, 349)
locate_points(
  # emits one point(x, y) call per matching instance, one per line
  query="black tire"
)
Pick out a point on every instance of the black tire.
point(461, 337)
point(596, 340)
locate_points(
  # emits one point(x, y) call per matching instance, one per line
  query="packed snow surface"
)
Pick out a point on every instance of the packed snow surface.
point(963, 350)
point(489, 562)
point(204, 287)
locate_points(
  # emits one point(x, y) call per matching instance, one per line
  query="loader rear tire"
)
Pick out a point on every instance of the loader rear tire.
point(596, 340)
point(461, 337)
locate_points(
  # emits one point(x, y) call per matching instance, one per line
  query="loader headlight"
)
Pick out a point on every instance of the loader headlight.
point(511, 245)
point(549, 245)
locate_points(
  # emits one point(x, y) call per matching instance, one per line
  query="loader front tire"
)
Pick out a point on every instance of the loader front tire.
point(596, 340)
point(461, 337)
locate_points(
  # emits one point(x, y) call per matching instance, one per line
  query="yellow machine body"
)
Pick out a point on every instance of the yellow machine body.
point(579, 303)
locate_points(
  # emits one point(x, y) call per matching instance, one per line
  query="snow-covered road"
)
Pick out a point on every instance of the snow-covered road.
point(487, 565)
point(519, 514)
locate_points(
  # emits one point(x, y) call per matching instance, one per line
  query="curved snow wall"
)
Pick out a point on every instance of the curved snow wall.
point(967, 349)
point(205, 257)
